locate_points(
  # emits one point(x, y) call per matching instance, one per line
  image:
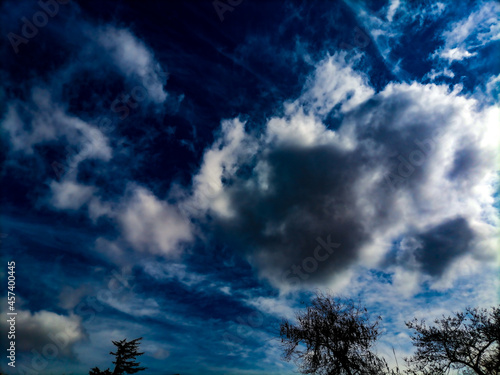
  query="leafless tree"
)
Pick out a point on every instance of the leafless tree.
point(332, 336)
point(467, 341)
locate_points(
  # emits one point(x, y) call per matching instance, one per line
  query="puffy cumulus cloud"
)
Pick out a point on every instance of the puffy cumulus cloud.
point(220, 160)
point(153, 225)
point(406, 182)
point(48, 333)
point(147, 224)
point(480, 28)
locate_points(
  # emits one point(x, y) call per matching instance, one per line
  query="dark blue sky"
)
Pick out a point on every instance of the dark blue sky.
point(191, 171)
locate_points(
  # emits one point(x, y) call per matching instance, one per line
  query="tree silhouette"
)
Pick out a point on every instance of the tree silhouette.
point(333, 336)
point(467, 341)
point(126, 352)
point(97, 371)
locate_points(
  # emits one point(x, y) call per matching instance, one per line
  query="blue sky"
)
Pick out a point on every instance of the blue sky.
point(191, 172)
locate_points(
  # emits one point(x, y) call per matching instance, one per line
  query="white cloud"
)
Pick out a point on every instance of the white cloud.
point(48, 121)
point(152, 225)
point(279, 307)
point(134, 58)
point(335, 82)
point(219, 161)
point(70, 195)
point(70, 297)
point(477, 30)
point(433, 74)
point(392, 9)
point(493, 87)
point(455, 54)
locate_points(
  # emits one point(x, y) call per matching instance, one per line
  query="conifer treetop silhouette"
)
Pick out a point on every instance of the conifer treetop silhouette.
point(126, 352)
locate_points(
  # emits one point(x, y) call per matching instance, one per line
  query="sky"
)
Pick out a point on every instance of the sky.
point(192, 172)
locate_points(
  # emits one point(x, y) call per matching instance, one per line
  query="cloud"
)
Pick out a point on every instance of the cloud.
point(43, 114)
point(219, 160)
point(434, 249)
point(493, 87)
point(394, 21)
point(135, 60)
point(433, 74)
point(335, 82)
point(152, 225)
point(455, 54)
point(412, 161)
point(47, 333)
point(177, 271)
point(44, 120)
point(394, 5)
point(70, 195)
point(52, 119)
point(70, 297)
point(478, 29)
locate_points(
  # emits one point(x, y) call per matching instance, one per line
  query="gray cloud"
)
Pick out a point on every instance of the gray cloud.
point(441, 244)
point(46, 333)
point(410, 159)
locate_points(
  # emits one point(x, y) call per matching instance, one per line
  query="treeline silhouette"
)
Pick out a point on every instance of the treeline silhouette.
point(337, 336)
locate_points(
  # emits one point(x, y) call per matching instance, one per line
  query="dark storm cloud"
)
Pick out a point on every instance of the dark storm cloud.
point(310, 197)
point(440, 245)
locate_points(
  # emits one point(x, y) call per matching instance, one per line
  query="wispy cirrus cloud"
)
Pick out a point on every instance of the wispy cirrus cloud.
point(475, 31)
